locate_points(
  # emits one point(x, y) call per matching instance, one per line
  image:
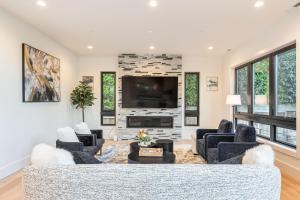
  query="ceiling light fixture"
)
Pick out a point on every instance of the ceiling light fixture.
point(152, 47)
point(90, 47)
point(153, 3)
point(41, 3)
point(259, 4)
point(210, 48)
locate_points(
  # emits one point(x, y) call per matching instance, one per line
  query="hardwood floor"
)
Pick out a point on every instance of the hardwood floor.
point(11, 188)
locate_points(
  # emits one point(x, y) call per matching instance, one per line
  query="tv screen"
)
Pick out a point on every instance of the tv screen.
point(149, 92)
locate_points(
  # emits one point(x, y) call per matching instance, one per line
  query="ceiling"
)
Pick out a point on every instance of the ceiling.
point(131, 26)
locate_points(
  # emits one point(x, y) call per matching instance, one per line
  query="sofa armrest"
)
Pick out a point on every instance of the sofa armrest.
point(98, 132)
point(201, 132)
point(212, 141)
point(87, 139)
point(229, 150)
point(69, 146)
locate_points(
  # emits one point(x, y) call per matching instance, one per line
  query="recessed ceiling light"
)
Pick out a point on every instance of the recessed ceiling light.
point(41, 3)
point(153, 3)
point(90, 47)
point(152, 47)
point(210, 48)
point(259, 4)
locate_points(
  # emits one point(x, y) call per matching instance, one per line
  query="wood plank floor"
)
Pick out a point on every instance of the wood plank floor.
point(11, 188)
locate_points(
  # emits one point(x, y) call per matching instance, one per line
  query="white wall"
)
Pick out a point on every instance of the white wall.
point(25, 124)
point(211, 110)
point(92, 66)
point(283, 32)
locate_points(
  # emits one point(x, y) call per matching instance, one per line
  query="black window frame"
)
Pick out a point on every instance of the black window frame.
point(107, 113)
point(271, 119)
point(189, 113)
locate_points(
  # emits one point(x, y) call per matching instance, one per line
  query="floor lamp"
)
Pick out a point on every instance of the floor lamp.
point(233, 100)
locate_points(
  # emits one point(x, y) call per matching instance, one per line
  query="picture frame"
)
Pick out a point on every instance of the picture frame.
point(212, 83)
point(40, 76)
point(89, 80)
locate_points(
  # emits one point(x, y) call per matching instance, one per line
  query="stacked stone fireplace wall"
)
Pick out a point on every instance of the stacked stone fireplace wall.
point(150, 65)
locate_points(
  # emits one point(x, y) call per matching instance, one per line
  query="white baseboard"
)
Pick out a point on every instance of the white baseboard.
point(288, 169)
point(14, 167)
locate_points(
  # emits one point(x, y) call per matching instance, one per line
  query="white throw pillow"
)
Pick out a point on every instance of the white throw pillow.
point(67, 134)
point(46, 155)
point(261, 155)
point(82, 128)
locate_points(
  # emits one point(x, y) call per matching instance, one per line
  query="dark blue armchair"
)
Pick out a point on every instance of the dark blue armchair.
point(225, 126)
point(222, 147)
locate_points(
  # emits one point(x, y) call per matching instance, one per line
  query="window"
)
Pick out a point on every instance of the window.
point(262, 130)
point(242, 88)
point(270, 85)
point(191, 93)
point(286, 136)
point(108, 98)
point(239, 121)
point(261, 87)
point(285, 64)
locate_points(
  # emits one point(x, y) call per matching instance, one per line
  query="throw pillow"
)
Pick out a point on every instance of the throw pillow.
point(84, 158)
point(261, 155)
point(46, 155)
point(67, 134)
point(82, 128)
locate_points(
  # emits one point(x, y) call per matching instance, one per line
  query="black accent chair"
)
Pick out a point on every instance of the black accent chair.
point(99, 139)
point(225, 126)
point(226, 146)
point(89, 143)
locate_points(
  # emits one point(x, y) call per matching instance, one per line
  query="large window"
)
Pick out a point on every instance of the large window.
point(261, 87)
point(108, 98)
point(191, 93)
point(271, 88)
point(285, 66)
point(242, 88)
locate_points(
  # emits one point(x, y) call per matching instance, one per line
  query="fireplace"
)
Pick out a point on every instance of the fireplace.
point(149, 122)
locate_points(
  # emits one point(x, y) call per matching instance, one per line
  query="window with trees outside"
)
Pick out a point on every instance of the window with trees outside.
point(242, 88)
point(108, 98)
point(191, 93)
point(271, 89)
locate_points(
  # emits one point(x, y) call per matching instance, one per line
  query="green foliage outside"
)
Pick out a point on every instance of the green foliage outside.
point(108, 81)
point(286, 77)
point(82, 96)
point(261, 77)
point(242, 88)
point(191, 90)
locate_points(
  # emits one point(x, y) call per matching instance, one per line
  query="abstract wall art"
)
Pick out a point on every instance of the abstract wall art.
point(41, 76)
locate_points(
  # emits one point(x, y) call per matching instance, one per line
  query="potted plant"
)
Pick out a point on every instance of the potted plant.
point(82, 96)
point(144, 138)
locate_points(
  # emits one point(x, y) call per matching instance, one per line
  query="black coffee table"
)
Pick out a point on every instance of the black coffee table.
point(167, 158)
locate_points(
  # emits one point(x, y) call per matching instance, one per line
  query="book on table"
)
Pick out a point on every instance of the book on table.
point(151, 152)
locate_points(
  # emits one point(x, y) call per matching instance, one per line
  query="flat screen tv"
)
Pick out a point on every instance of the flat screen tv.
point(149, 92)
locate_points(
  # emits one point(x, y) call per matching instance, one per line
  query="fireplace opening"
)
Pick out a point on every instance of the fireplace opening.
point(149, 122)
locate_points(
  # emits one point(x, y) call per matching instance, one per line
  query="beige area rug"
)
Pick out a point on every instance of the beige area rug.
point(182, 150)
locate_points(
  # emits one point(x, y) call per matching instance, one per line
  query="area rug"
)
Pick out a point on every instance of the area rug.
point(182, 150)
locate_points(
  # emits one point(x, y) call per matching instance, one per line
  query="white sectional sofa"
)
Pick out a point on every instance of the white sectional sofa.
point(144, 182)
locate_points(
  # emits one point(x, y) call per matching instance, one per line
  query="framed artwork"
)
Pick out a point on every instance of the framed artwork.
point(41, 76)
point(89, 80)
point(212, 83)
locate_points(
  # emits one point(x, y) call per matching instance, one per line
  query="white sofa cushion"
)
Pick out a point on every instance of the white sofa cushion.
point(82, 128)
point(261, 155)
point(67, 134)
point(46, 155)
